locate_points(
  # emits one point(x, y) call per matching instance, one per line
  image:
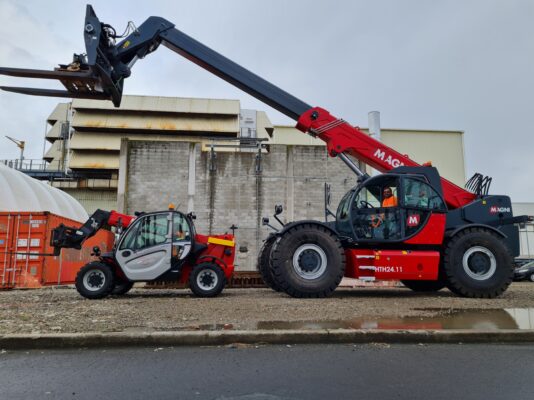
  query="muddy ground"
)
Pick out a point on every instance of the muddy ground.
point(64, 310)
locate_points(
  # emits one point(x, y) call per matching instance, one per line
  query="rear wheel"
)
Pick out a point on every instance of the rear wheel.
point(477, 263)
point(95, 280)
point(424, 286)
point(531, 277)
point(207, 280)
point(121, 287)
point(264, 266)
point(308, 261)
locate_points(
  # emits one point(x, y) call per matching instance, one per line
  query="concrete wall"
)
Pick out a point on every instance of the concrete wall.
point(153, 174)
point(92, 199)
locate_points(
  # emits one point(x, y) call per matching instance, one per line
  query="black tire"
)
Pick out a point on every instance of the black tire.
point(424, 286)
point(264, 266)
point(531, 277)
point(95, 280)
point(478, 264)
point(308, 260)
point(121, 287)
point(207, 280)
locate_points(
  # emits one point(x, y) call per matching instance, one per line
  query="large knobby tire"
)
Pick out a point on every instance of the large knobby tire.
point(207, 280)
point(121, 287)
point(424, 286)
point(95, 280)
point(308, 260)
point(478, 264)
point(264, 264)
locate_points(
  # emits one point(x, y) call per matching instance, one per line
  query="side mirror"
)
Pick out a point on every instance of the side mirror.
point(265, 221)
point(192, 216)
point(278, 209)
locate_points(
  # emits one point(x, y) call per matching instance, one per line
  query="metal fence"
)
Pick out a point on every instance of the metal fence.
point(33, 165)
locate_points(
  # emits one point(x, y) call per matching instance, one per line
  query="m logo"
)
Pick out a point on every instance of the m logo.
point(413, 220)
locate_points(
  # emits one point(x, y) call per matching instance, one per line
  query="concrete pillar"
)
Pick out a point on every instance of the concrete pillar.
point(122, 184)
point(192, 178)
point(290, 174)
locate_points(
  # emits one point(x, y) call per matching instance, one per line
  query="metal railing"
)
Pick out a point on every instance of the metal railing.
point(43, 170)
point(34, 165)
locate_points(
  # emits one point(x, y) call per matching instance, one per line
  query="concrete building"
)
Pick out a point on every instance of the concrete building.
point(86, 136)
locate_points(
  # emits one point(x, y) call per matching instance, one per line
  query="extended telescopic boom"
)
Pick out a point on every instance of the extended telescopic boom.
point(100, 75)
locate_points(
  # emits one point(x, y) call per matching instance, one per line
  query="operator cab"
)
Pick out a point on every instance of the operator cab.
point(388, 208)
point(155, 243)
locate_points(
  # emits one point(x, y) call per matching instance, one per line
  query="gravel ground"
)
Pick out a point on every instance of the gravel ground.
point(64, 310)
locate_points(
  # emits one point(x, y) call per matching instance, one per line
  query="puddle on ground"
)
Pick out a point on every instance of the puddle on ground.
point(508, 318)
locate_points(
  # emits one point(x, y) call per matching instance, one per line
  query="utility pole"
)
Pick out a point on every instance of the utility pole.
point(20, 144)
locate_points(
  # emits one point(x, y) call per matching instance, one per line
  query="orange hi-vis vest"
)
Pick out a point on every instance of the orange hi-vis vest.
point(390, 202)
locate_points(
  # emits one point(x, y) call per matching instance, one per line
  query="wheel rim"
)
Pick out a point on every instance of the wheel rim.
point(207, 279)
point(94, 280)
point(532, 277)
point(479, 263)
point(309, 261)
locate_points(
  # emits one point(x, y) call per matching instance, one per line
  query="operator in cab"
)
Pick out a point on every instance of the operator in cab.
point(388, 199)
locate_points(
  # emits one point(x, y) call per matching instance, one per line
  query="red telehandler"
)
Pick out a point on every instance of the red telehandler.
point(155, 246)
point(407, 224)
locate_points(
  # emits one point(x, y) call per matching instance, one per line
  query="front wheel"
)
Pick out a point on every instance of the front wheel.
point(531, 277)
point(478, 264)
point(207, 280)
point(308, 260)
point(95, 280)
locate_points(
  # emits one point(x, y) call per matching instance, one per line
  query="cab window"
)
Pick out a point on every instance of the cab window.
point(419, 194)
point(150, 230)
point(180, 228)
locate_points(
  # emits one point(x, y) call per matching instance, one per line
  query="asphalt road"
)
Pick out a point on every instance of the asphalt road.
point(273, 372)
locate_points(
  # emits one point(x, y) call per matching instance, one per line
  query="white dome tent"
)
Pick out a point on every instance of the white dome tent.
point(19, 192)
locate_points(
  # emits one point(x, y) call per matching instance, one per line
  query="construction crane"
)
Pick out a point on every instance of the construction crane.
point(20, 144)
point(407, 224)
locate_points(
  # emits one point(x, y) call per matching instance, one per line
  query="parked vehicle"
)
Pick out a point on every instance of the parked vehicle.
point(525, 272)
point(156, 246)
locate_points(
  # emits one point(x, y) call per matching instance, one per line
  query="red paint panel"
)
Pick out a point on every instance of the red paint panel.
point(433, 231)
point(393, 264)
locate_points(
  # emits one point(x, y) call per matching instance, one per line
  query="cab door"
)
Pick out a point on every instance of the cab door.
point(145, 250)
point(375, 214)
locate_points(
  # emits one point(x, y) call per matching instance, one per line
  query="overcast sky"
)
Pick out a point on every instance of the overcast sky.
point(460, 65)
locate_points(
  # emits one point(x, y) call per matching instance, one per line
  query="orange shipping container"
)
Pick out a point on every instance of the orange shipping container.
point(29, 232)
